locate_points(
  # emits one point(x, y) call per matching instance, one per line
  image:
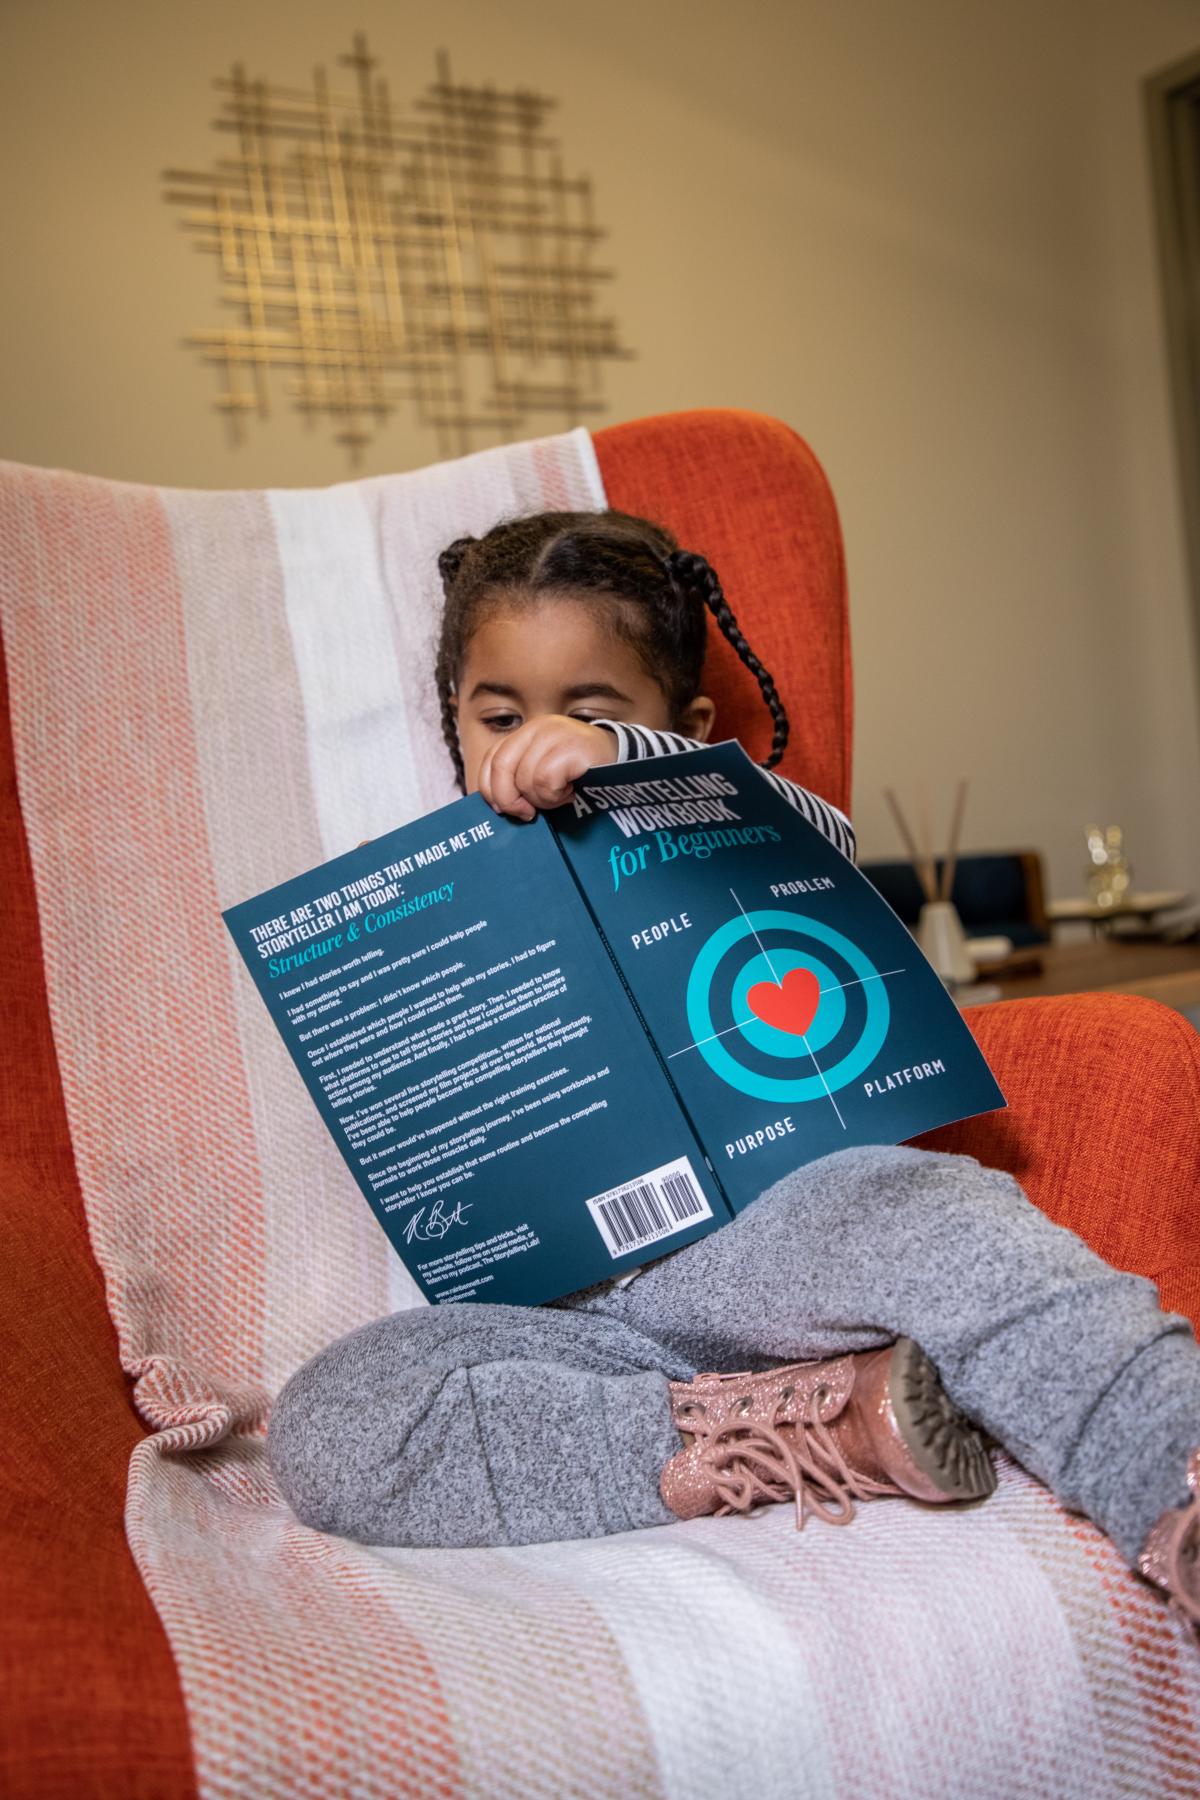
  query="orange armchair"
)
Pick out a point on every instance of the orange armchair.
point(1103, 1130)
point(1103, 1121)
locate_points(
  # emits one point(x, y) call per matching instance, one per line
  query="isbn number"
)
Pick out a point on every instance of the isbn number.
point(655, 1206)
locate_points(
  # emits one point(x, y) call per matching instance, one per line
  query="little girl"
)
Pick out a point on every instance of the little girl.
point(571, 640)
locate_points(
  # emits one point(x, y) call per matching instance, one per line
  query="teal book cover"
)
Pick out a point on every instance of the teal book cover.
point(468, 1041)
point(793, 1011)
point(550, 1052)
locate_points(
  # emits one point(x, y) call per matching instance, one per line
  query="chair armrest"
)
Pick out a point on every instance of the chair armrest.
point(1102, 1128)
point(90, 1703)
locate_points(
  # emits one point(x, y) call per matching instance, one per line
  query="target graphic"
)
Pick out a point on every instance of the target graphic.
point(784, 1008)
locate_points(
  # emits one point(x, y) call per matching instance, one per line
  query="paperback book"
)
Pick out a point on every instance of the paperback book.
point(550, 1052)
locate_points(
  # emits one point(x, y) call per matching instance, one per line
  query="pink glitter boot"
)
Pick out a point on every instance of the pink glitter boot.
point(1171, 1559)
point(826, 1433)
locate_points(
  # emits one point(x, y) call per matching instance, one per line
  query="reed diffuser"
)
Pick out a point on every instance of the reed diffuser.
point(939, 928)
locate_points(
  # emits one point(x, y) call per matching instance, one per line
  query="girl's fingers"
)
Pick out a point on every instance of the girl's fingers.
point(535, 766)
point(483, 780)
point(495, 777)
point(538, 776)
point(505, 796)
point(547, 773)
point(503, 761)
point(556, 779)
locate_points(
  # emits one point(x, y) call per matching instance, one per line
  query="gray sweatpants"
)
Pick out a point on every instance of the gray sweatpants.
point(476, 1424)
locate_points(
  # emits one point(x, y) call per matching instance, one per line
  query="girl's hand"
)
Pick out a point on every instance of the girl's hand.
point(535, 766)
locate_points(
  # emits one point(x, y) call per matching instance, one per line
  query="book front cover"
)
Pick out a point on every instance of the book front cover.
point(461, 1028)
point(793, 1010)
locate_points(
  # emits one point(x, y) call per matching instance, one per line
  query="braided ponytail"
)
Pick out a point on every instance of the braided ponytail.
point(654, 596)
point(449, 562)
point(694, 575)
point(445, 683)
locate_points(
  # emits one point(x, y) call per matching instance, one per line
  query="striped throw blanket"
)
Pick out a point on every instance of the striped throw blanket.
point(211, 692)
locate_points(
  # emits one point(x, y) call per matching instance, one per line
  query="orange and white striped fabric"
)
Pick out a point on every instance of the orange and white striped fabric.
point(211, 692)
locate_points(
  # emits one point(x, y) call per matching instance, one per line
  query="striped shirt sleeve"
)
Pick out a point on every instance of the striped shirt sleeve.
point(637, 741)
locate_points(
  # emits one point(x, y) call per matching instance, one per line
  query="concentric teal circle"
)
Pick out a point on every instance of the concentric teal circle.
point(712, 1045)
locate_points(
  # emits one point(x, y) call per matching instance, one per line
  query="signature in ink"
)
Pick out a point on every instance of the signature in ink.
point(438, 1223)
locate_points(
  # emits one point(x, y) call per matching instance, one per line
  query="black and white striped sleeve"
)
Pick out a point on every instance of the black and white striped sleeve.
point(637, 741)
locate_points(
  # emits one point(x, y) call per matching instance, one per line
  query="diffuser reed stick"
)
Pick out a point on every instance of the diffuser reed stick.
point(920, 864)
point(948, 868)
point(939, 929)
point(928, 864)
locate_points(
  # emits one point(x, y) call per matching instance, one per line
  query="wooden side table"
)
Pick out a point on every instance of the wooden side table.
point(1166, 972)
point(1144, 907)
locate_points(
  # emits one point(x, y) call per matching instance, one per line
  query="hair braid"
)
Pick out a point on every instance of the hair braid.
point(695, 574)
point(449, 562)
point(652, 595)
point(445, 685)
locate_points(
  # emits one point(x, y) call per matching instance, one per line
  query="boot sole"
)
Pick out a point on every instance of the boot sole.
point(947, 1449)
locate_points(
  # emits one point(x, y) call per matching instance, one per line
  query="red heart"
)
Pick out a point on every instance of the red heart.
point(790, 1006)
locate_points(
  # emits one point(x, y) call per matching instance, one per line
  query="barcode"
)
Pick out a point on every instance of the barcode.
point(655, 1206)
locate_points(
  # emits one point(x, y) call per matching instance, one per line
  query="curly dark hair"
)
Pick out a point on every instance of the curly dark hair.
point(659, 600)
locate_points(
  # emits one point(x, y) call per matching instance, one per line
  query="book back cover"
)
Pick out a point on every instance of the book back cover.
point(461, 1028)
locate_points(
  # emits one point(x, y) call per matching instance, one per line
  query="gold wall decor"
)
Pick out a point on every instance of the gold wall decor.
point(442, 259)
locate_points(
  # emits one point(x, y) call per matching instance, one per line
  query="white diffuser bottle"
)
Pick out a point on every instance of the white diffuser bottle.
point(941, 937)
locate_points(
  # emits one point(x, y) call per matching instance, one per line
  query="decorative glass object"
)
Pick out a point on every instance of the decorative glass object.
point(1109, 872)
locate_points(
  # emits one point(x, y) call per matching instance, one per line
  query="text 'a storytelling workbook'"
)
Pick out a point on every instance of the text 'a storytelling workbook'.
point(552, 1051)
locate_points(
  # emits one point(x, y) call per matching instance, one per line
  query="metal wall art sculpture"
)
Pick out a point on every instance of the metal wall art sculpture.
point(441, 260)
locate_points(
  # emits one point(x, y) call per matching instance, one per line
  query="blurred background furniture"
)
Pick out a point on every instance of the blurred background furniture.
point(996, 894)
point(1139, 910)
point(1169, 973)
point(999, 897)
point(1101, 1128)
point(1002, 894)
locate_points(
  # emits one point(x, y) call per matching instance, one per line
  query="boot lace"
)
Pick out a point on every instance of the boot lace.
point(761, 1462)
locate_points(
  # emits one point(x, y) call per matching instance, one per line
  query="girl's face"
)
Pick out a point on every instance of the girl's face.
point(554, 656)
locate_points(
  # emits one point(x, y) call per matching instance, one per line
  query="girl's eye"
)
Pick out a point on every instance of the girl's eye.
point(502, 721)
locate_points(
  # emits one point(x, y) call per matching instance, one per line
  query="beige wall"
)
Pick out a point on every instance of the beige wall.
point(917, 230)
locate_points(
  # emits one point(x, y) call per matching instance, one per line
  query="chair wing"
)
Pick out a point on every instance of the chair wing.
point(747, 493)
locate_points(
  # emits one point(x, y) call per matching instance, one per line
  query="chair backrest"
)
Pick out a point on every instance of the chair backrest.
point(749, 494)
point(214, 690)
